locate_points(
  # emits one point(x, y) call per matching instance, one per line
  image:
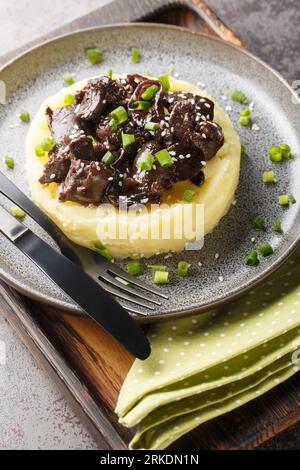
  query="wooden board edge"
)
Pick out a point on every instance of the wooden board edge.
point(15, 311)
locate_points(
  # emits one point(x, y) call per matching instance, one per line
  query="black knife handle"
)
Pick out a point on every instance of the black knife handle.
point(86, 293)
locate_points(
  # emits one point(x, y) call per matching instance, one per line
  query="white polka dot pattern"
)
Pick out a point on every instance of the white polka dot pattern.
point(207, 365)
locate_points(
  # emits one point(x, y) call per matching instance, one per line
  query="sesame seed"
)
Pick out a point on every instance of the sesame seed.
point(207, 105)
point(172, 129)
point(154, 167)
point(224, 97)
point(234, 202)
point(197, 118)
point(203, 135)
point(172, 153)
point(52, 176)
point(217, 255)
point(201, 84)
point(207, 116)
point(188, 155)
point(171, 100)
point(168, 255)
point(221, 279)
point(163, 133)
point(104, 101)
point(253, 239)
point(199, 263)
point(203, 163)
point(174, 159)
point(181, 157)
point(255, 127)
point(143, 201)
point(202, 100)
point(228, 108)
point(120, 183)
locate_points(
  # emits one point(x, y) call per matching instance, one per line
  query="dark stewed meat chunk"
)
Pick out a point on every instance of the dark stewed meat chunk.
point(85, 182)
point(56, 168)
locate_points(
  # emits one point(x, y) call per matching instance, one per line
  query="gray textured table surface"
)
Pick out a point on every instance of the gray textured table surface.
point(33, 414)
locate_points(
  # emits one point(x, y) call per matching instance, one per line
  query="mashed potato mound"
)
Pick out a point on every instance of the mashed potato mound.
point(81, 223)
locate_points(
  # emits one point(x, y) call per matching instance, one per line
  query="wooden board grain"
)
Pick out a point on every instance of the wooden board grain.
point(88, 364)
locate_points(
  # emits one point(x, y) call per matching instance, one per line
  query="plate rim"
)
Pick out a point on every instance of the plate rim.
point(71, 308)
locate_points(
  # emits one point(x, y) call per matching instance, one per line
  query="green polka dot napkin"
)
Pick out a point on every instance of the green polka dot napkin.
point(209, 364)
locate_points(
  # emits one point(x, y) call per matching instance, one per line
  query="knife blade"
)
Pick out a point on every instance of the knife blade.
point(78, 285)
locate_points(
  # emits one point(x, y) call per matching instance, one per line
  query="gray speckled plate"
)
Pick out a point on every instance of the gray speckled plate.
point(195, 57)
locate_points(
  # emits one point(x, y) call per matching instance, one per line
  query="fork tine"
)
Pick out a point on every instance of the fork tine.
point(124, 296)
point(111, 280)
point(113, 269)
point(134, 310)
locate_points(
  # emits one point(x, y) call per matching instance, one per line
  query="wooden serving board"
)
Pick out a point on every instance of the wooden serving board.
point(88, 364)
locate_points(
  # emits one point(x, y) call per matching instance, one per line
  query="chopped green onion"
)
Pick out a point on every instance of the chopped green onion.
point(265, 249)
point(157, 267)
point(149, 94)
point(259, 222)
point(145, 161)
point(164, 80)
point(135, 55)
point(127, 139)
point(39, 151)
point(109, 72)
point(17, 212)
point(237, 95)
point(94, 55)
point(164, 158)
point(292, 199)
point(113, 124)
point(188, 195)
point(275, 153)
point(246, 112)
point(151, 126)
point(134, 267)
point(286, 151)
point(244, 120)
point(243, 150)
point(68, 78)
point(24, 116)
point(45, 146)
point(102, 250)
point(251, 258)
point(283, 200)
point(276, 226)
point(69, 99)
point(9, 162)
point(94, 141)
point(141, 105)
point(269, 177)
point(182, 268)
point(161, 277)
point(119, 114)
point(108, 158)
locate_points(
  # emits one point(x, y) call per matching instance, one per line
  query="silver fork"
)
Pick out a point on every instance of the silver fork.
point(112, 278)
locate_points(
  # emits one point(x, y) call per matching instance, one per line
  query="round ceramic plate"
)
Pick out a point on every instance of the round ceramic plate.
point(217, 271)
